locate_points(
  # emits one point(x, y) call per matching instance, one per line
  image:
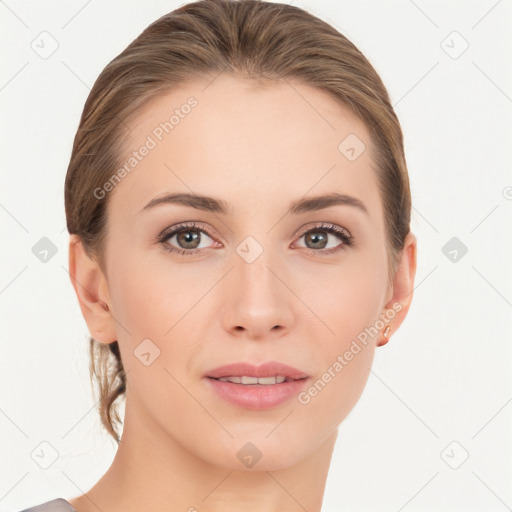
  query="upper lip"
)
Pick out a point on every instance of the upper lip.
point(269, 369)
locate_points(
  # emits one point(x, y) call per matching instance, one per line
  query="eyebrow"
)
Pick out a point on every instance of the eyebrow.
point(210, 204)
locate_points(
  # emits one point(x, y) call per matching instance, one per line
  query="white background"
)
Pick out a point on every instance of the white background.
point(445, 375)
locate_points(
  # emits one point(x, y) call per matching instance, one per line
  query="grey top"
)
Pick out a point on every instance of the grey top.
point(57, 505)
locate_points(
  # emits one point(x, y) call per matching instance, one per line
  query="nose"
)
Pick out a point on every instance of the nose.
point(257, 302)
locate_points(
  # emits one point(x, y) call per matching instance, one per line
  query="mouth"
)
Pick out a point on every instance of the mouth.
point(257, 396)
point(257, 387)
point(272, 372)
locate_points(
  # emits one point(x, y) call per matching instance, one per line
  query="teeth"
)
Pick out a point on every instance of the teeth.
point(278, 379)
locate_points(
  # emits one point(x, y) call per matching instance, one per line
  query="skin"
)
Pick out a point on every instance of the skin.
point(180, 440)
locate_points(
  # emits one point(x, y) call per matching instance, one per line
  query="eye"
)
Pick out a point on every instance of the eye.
point(188, 237)
point(317, 238)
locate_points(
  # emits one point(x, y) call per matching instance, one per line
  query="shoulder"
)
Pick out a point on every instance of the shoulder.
point(56, 505)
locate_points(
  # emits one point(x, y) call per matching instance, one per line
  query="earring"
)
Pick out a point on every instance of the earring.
point(386, 339)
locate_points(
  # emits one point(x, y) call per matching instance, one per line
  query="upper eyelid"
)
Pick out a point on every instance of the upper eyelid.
point(319, 225)
point(172, 230)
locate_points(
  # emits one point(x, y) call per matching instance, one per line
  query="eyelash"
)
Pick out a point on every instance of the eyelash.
point(341, 234)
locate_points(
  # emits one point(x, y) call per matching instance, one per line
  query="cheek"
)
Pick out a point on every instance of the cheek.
point(349, 304)
point(156, 305)
point(343, 299)
point(345, 365)
point(153, 302)
point(152, 295)
point(339, 385)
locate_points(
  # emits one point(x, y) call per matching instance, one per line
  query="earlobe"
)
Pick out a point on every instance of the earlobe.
point(91, 289)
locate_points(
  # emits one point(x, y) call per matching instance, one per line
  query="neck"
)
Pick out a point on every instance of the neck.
point(152, 471)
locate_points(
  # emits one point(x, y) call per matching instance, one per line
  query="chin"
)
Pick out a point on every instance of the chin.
point(259, 452)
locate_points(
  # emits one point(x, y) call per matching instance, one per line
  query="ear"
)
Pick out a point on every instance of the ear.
point(91, 289)
point(403, 284)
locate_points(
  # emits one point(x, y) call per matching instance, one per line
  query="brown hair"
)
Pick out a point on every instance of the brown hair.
point(199, 40)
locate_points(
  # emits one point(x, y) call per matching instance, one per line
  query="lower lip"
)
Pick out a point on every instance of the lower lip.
point(257, 396)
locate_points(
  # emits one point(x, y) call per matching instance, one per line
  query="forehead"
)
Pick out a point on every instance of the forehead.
point(254, 145)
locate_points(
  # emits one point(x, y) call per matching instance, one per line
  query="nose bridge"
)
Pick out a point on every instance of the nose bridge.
point(258, 302)
point(255, 279)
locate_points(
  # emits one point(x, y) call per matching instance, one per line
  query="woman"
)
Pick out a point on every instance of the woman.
point(238, 207)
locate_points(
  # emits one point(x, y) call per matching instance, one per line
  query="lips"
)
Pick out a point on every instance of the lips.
point(269, 369)
point(247, 394)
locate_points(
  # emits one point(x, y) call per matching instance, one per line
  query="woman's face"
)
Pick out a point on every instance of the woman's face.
point(267, 284)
